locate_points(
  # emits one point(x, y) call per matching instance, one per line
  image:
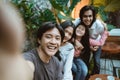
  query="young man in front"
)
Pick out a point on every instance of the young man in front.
point(45, 65)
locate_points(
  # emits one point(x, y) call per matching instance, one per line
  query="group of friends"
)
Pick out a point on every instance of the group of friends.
point(63, 50)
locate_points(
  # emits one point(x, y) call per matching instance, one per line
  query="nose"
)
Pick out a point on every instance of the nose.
point(88, 18)
point(53, 41)
point(66, 34)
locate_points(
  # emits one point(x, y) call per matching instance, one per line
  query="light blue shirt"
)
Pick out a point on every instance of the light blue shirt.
point(67, 54)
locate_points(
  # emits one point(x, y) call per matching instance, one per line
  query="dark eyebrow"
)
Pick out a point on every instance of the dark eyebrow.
point(58, 35)
point(52, 35)
point(87, 15)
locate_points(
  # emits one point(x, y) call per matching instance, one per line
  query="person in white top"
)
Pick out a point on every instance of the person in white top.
point(67, 50)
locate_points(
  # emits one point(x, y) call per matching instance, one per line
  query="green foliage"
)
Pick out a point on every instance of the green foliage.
point(47, 15)
point(56, 5)
point(104, 16)
point(62, 10)
point(110, 27)
point(102, 13)
point(62, 2)
point(74, 2)
point(33, 18)
point(112, 5)
point(104, 7)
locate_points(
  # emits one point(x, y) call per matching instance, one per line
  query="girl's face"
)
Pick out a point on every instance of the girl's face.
point(80, 31)
point(68, 33)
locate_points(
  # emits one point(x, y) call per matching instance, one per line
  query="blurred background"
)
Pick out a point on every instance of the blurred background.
point(36, 12)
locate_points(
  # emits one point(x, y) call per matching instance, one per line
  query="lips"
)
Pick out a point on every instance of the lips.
point(88, 22)
point(51, 48)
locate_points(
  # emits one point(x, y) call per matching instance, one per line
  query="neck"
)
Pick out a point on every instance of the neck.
point(63, 43)
point(78, 38)
point(42, 55)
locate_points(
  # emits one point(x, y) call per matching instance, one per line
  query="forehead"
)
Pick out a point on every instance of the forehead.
point(53, 31)
point(81, 26)
point(88, 12)
point(69, 28)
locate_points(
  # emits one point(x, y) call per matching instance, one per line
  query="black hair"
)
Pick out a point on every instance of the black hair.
point(86, 8)
point(85, 42)
point(64, 25)
point(67, 23)
point(48, 26)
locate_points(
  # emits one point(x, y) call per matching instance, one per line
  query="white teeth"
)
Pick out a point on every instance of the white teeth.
point(51, 47)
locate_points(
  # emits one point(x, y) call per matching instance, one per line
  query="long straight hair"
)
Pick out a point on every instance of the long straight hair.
point(86, 8)
point(64, 25)
point(85, 42)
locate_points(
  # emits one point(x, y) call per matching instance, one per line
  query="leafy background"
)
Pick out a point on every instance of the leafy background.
point(35, 12)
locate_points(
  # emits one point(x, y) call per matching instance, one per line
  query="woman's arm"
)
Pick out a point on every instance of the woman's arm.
point(68, 66)
point(101, 41)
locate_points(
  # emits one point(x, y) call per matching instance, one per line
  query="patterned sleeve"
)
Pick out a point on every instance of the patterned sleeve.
point(101, 41)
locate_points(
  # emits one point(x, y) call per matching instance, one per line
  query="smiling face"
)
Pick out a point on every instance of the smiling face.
point(80, 31)
point(68, 33)
point(88, 17)
point(50, 42)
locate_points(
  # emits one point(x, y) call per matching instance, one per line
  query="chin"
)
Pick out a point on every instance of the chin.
point(88, 24)
point(51, 53)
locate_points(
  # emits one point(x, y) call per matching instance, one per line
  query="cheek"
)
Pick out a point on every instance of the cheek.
point(59, 43)
point(83, 32)
point(43, 42)
point(66, 36)
point(84, 19)
point(77, 31)
point(91, 18)
point(69, 37)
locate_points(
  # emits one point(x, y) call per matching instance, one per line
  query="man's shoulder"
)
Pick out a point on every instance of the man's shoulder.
point(76, 21)
point(29, 55)
point(98, 24)
point(98, 21)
